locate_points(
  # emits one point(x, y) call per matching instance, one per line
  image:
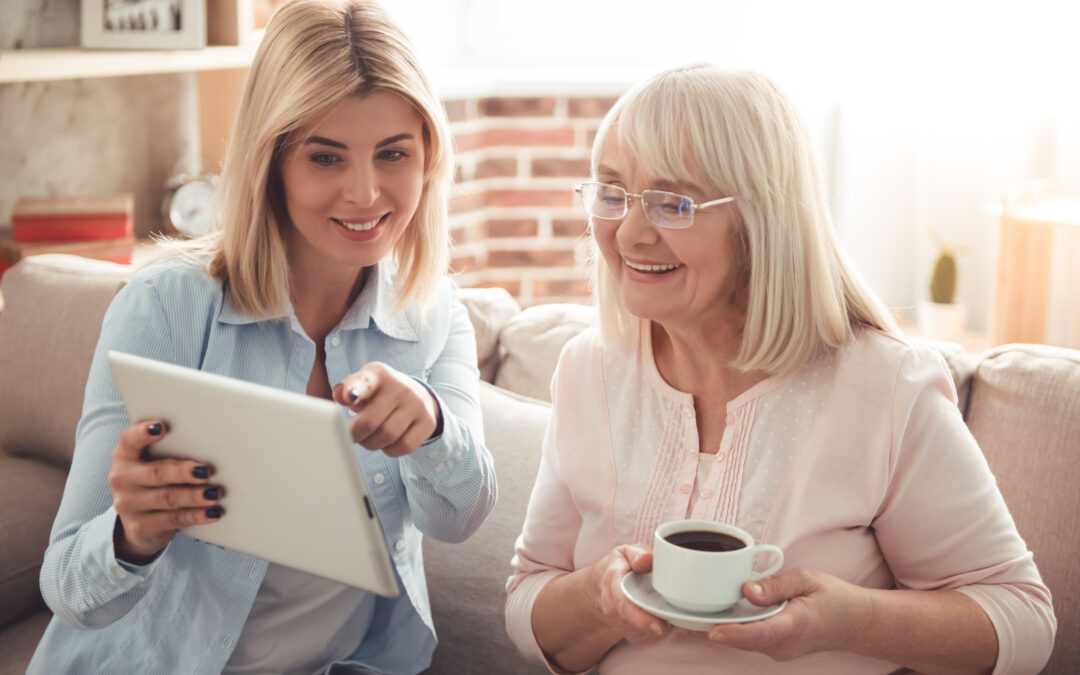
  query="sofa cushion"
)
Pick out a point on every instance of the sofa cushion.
point(1025, 412)
point(467, 581)
point(531, 342)
point(44, 362)
point(489, 309)
point(29, 497)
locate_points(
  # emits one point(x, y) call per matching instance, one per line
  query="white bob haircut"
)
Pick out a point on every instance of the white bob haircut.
point(737, 133)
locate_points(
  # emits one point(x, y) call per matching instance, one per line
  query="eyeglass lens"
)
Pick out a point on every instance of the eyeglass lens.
point(665, 209)
point(668, 209)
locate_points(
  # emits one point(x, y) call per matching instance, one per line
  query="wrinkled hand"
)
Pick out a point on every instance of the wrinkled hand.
point(155, 498)
point(824, 613)
point(394, 412)
point(634, 623)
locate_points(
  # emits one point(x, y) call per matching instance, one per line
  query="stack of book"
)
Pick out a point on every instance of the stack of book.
point(97, 226)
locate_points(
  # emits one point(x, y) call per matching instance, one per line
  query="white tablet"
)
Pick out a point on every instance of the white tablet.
point(294, 491)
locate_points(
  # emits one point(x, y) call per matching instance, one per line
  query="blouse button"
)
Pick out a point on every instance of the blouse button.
point(379, 479)
point(720, 457)
point(689, 413)
point(707, 494)
point(730, 420)
point(686, 488)
point(335, 341)
point(399, 545)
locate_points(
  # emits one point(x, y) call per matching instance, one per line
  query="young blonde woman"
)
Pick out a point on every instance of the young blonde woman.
point(327, 277)
point(743, 373)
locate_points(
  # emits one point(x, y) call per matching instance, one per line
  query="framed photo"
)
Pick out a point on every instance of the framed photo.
point(144, 24)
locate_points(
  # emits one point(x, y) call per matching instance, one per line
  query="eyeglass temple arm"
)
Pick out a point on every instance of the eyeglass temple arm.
point(722, 200)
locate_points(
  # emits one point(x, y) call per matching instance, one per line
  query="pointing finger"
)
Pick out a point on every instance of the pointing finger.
point(357, 389)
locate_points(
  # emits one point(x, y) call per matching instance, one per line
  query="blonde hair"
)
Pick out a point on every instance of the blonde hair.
point(737, 133)
point(314, 54)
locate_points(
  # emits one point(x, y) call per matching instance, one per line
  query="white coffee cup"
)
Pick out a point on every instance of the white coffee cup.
point(706, 581)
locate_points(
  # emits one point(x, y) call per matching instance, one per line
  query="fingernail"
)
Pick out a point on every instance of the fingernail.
point(154, 429)
point(200, 472)
point(755, 589)
point(210, 493)
point(354, 394)
point(213, 512)
point(716, 637)
point(655, 628)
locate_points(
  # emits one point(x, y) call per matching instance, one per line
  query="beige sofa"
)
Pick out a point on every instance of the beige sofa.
point(1021, 402)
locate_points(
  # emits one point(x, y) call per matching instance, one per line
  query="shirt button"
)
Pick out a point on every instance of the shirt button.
point(721, 457)
point(335, 341)
point(379, 479)
point(433, 453)
point(689, 413)
point(399, 545)
point(686, 488)
point(730, 420)
point(707, 494)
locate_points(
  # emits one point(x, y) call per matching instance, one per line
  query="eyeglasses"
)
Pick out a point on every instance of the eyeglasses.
point(663, 209)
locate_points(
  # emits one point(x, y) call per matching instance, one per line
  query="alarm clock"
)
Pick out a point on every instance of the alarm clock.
point(190, 205)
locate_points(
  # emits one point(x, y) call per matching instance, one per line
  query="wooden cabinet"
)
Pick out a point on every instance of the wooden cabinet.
point(1037, 298)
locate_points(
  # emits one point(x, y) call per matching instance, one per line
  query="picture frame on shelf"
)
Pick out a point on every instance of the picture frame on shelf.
point(143, 24)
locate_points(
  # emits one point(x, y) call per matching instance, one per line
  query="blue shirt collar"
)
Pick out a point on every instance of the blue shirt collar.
point(374, 307)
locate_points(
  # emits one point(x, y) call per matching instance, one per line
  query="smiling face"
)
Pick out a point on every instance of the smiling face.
point(682, 279)
point(352, 181)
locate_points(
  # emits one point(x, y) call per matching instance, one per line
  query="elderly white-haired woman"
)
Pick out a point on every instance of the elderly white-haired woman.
point(743, 373)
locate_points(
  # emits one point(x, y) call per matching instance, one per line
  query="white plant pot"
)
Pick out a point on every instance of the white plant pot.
point(940, 321)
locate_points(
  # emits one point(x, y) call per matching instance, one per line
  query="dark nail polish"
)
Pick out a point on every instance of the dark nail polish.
point(210, 493)
point(200, 472)
point(213, 512)
point(154, 429)
point(354, 394)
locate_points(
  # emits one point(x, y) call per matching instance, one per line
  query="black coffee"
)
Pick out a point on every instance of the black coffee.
point(704, 540)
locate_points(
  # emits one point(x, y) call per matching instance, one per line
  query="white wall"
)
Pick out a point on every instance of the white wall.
point(924, 111)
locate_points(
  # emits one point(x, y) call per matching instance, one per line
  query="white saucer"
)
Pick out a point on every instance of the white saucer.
point(639, 588)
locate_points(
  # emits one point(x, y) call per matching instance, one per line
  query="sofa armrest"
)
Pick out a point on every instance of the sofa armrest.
point(1024, 411)
point(30, 493)
point(53, 306)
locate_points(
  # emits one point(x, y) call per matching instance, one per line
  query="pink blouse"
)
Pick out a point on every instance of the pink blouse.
point(858, 465)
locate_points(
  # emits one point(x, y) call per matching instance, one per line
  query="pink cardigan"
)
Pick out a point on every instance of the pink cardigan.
point(859, 465)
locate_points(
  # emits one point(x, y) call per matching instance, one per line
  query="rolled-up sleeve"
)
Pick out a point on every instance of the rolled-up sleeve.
point(450, 480)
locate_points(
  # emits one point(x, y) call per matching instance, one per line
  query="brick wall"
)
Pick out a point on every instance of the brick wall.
point(515, 220)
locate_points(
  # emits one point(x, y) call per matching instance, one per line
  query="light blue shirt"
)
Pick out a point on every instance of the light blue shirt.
point(183, 612)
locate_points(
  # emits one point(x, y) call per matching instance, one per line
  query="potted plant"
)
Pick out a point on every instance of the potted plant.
point(943, 316)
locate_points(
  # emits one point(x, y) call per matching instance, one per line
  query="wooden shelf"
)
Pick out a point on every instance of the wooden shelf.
point(33, 65)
